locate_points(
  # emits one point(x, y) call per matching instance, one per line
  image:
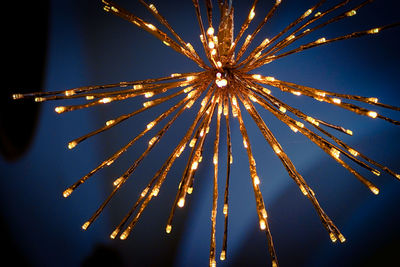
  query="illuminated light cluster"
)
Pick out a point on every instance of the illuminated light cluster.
point(226, 82)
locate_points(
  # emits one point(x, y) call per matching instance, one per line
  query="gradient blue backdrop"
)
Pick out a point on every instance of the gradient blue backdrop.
point(88, 46)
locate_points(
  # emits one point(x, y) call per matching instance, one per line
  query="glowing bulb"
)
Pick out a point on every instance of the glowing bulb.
point(291, 37)
point(256, 180)
point(221, 83)
point(294, 129)
point(262, 225)
point(267, 91)
point(144, 193)
point(69, 92)
point(303, 190)
point(105, 100)
point(124, 235)
point(222, 256)
point(264, 213)
point(114, 234)
point(353, 152)
point(301, 125)
point(210, 31)
point(276, 149)
point(252, 14)
point(85, 225)
point(342, 238)
point(152, 140)
point(110, 122)
point(118, 181)
point(374, 189)
point(257, 76)
point(17, 96)
point(234, 101)
point(312, 120)
point(60, 109)
point(335, 153)
point(225, 209)
point(189, 190)
point(181, 202)
point(336, 100)
point(150, 125)
point(195, 165)
point(296, 93)
point(351, 13)
point(147, 104)
point(148, 94)
point(155, 191)
point(265, 42)
point(376, 172)
point(333, 237)
point(151, 26)
point(215, 159)
point(350, 132)
point(282, 109)
point(152, 7)
point(244, 143)
point(192, 142)
point(168, 228)
point(67, 192)
point(307, 13)
point(72, 144)
point(374, 31)
point(372, 114)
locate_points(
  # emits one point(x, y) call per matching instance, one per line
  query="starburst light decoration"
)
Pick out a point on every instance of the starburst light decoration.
point(224, 89)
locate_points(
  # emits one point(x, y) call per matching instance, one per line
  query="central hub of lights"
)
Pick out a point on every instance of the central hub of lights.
point(221, 79)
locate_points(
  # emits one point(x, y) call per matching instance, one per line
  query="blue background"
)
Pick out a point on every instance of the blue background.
point(88, 46)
